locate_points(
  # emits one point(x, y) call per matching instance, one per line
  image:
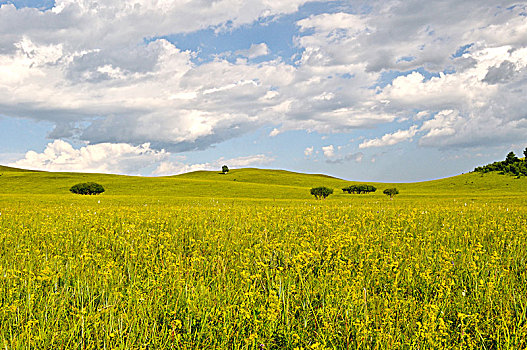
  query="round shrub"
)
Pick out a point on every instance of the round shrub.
point(321, 192)
point(87, 188)
point(391, 192)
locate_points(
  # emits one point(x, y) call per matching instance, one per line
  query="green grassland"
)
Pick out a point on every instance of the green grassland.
point(250, 260)
point(251, 184)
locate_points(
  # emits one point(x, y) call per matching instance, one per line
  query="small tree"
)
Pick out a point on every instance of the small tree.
point(391, 192)
point(87, 188)
point(511, 158)
point(525, 155)
point(321, 192)
point(225, 169)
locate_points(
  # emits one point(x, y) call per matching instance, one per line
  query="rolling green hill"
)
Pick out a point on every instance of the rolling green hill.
point(249, 183)
point(4, 168)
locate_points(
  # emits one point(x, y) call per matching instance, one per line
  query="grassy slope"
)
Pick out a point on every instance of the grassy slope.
point(250, 183)
point(4, 169)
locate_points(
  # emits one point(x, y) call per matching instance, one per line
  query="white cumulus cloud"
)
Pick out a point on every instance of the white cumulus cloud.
point(103, 158)
point(329, 151)
point(256, 50)
point(391, 139)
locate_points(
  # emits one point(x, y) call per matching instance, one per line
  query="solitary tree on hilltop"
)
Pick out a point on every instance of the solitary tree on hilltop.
point(225, 169)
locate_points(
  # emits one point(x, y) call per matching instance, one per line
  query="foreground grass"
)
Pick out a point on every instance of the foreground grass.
point(134, 272)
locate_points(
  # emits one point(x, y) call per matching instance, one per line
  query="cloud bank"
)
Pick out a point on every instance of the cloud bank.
point(122, 158)
point(105, 73)
point(101, 158)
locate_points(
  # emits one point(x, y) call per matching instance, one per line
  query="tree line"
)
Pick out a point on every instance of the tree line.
point(323, 192)
point(359, 189)
point(511, 165)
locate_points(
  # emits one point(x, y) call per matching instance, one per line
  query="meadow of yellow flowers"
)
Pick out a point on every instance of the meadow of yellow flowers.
point(200, 261)
point(144, 273)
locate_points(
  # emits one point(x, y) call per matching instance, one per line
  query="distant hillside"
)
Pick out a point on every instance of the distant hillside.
point(266, 176)
point(251, 183)
point(239, 183)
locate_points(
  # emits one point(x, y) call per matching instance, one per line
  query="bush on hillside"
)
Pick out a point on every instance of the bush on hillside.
point(391, 192)
point(359, 189)
point(321, 192)
point(87, 188)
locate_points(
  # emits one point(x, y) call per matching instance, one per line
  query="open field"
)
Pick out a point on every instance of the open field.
point(251, 260)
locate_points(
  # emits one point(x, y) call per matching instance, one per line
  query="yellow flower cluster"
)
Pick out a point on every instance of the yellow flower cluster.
point(260, 275)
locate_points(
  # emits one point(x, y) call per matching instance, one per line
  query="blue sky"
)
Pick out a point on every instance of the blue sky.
point(362, 90)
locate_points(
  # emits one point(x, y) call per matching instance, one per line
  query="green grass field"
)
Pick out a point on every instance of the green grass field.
point(250, 260)
point(251, 184)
